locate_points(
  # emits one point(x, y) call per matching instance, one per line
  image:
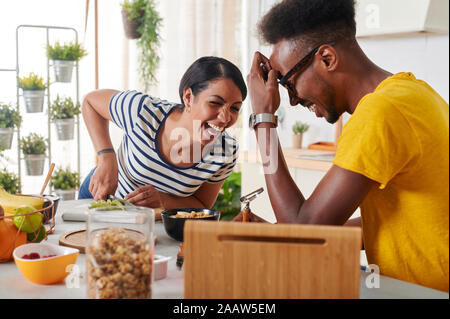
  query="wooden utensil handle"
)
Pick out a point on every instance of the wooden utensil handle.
point(49, 174)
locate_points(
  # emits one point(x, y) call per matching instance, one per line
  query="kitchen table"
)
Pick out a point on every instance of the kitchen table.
point(14, 285)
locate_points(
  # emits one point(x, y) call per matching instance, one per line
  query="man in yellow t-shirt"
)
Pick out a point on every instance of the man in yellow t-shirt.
point(398, 137)
point(392, 159)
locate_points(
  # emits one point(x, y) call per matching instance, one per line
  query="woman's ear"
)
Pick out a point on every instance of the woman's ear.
point(188, 98)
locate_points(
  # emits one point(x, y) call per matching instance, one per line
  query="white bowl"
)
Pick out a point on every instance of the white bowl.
point(160, 266)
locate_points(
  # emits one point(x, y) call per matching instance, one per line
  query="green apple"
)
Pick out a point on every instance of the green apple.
point(28, 223)
point(37, 237)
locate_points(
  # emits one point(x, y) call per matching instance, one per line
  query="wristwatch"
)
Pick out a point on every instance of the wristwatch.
point(255, 119)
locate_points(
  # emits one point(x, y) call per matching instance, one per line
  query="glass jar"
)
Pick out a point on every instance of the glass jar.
point(119, 252)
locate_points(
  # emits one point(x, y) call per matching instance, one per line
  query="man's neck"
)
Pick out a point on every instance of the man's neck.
point(366, 76)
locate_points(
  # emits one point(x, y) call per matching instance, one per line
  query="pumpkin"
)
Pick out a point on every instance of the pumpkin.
point(10, 237)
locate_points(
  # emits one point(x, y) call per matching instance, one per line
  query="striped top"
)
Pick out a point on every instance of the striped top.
point(140, 162)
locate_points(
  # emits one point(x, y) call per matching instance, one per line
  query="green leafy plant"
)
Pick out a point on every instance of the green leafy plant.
point(33, 144)
point(64, 109)
point(68, 51)
point(300, 128)
point(32, 82)
point(148, 44)
point(65, 179)
point(10, 182)
point(228, 201)
point(9, 117)
point(135, 9)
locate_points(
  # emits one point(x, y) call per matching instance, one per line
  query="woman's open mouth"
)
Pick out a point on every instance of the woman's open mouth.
point(211, 131)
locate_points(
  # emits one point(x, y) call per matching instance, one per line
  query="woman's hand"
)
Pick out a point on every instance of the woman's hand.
point(105, 178)
point(146, 196)
point(263, 86)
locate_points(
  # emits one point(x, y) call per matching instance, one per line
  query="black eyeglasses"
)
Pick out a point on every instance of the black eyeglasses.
point(283, 80)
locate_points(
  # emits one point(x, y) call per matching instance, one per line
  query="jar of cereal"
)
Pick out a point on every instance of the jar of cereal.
point(119, 252)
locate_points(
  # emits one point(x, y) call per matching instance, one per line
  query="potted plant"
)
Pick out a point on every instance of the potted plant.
point(33, 89)
point(228, 200)
point(132, 17)
point(64, 58)
point(33, 148)
point(9, 119)
point(63, 112)
point(298, 129)
point(9, 181)
point(148, 44)
point(65, 183)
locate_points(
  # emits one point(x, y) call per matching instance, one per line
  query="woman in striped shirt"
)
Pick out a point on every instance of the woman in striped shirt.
point(172, 155)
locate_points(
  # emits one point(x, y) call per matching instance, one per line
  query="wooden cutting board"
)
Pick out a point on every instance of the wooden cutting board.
point(255, 260)
point(77, 238)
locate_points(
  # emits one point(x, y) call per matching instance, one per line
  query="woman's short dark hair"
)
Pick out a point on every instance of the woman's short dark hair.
point(209, 68)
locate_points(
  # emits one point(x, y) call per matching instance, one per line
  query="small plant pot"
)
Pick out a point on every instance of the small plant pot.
point(6, 137)
point(64, 194)
point(130, 26)
point(34, 100)
point(297, 140)
point(34, 164)
point(65, 129)
point(63, 70)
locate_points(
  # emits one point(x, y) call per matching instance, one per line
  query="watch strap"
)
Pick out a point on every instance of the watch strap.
point(256, 119)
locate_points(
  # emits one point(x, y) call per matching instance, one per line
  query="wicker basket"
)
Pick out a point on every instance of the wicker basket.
point(49, 210)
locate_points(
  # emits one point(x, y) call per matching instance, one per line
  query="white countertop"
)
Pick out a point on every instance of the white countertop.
point(13, 285)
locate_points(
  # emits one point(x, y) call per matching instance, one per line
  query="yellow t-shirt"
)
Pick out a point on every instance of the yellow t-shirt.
point(398, 136)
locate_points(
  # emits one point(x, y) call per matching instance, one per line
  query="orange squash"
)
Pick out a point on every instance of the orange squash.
point(10, 237)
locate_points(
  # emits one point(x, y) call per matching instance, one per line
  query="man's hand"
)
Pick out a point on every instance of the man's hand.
point(146, 196)
point(105, 178)
point(251, 218)
point(263, 86)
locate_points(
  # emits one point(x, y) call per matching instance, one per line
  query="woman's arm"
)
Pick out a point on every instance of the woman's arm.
point(204, 197)
point(148, 196)
point(95, 111)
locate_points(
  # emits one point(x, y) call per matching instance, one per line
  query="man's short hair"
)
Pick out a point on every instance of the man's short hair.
point(310, 21)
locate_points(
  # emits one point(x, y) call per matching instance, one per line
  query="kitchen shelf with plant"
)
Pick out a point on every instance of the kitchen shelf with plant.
point(61, 111)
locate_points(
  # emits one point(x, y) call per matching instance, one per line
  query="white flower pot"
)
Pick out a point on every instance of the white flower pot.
point(34, 164)
point(63, 70)
point(6, 137)
point(64, 194)
point(65, 129)
point(34, 100)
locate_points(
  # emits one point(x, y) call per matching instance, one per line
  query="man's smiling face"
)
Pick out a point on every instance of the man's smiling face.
point(308, 87)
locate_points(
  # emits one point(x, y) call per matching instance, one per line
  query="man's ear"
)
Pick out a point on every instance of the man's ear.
point(188, 97)
point(329, 57)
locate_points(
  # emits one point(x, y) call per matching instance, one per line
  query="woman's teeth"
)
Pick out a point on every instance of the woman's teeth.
point(219, 129)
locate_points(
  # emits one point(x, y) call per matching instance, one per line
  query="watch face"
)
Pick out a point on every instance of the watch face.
point(251, 121)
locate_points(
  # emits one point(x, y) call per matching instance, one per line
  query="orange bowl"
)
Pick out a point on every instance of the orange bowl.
point(45, 271)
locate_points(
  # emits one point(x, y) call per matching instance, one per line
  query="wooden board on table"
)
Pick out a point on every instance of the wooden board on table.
point(258, 260)
point(77, 238)
point(77, 212)
point(323, 146)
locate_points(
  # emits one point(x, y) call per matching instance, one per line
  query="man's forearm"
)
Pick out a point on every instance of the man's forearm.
point(284, 195)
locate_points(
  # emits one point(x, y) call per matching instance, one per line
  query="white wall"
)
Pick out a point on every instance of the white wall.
point(67, 13)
